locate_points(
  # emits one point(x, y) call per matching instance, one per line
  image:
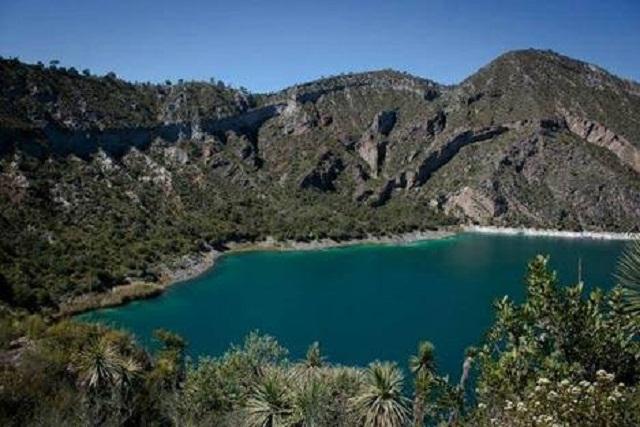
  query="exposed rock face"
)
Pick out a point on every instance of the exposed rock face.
point(384, 193)
point(383, 122)
point(323, 175)
point(471, 204)
point(360, 177)
point(372, 150)
point(149, 171)
point(447, 150)
point(437, 124)
point(243, 148)
point(600, 135)
point(297, 119)
point(372, 145)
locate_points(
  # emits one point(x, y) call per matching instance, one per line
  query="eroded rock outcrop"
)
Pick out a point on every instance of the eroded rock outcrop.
point(598, 134)
point(469, 203)
point(298, 118)
point(386, 190)
point(436, 124)
point(323, 175)
point(149, 171)
point(372, 146)
point(447, 150)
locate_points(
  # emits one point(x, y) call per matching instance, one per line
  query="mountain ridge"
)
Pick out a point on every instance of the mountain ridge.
point(115, 181)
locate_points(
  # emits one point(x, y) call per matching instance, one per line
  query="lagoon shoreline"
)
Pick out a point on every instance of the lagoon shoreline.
point(191, 266)
point(540, 232)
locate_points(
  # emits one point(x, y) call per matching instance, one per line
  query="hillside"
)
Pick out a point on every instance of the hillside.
point(103, 182)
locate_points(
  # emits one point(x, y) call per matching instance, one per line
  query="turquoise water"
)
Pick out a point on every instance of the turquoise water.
point(362, 303)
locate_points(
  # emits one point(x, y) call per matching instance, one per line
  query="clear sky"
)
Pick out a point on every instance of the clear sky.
point(269, 44)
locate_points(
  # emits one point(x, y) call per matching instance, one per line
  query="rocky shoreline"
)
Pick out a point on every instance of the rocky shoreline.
point(192, 266)
point(195, 265)
point(512, 231)
point(295, 245)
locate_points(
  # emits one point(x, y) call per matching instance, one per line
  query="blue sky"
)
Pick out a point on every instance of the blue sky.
point(269, 44)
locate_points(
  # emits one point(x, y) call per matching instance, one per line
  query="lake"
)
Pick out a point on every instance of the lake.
point(364, 302)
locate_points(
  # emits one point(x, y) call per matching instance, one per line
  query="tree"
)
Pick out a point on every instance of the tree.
point(54, 63)
point(422, 366)
point(381, 403)
point(86, 72)
point(628, 275)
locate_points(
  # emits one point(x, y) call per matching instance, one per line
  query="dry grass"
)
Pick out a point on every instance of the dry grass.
point(116, 296)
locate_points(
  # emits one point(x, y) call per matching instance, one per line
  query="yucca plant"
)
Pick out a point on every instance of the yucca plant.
point(106, 378)
point(628, 275)
point(380, 402)
point(313, 401)
point(311, 367)
point(98, 366)
point(270, 403)
point(422, 366)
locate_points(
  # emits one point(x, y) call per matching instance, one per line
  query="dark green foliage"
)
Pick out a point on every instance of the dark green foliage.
point(559, 357)
point(565, 341)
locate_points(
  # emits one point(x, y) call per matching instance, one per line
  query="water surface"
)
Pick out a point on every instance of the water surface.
point(362, 303)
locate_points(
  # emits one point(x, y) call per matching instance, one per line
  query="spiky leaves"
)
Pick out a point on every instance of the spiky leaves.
point(422, 366)
point(271, 401)
point(628, 275)
point(314, 402)
point(380, 402)
point(98, 365)
point(423, 361)
point(107, 379)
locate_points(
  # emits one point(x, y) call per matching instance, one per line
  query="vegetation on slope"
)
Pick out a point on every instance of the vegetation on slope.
point(106, 183)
